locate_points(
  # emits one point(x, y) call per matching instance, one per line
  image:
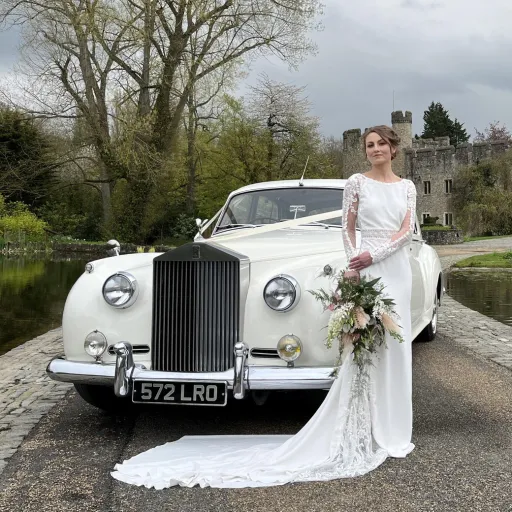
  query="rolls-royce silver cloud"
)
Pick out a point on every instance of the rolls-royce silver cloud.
point(228, 314)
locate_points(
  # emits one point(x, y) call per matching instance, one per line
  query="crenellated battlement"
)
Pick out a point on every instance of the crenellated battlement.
point(433, 154)
point(399, 117)
point(431, 143)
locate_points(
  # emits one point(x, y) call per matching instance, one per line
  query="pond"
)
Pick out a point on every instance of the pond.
point(32, 296)
point(489, 293)
point(33, 292)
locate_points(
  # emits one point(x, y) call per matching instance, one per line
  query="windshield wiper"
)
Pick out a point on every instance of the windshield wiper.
point(316, 223)
point(232, 226)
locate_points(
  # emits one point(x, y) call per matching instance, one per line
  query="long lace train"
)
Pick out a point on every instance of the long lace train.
point(335, 443)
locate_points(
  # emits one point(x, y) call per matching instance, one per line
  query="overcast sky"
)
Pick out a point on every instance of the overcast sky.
point(457, 52)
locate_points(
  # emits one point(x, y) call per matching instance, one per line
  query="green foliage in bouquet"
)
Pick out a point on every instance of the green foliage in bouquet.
point(361, 314)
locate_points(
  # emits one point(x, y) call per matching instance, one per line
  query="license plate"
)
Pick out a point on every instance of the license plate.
point(183, 393)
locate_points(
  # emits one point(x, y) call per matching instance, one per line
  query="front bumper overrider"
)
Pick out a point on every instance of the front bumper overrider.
point(240, 378)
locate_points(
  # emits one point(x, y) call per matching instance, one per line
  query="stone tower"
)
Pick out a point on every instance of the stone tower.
point(402, 124)
point(354, 159)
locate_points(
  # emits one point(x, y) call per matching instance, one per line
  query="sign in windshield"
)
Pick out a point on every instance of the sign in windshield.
point(262, 207)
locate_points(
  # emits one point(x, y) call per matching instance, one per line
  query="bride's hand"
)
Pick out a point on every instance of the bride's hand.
point(352, 275)
point(360, 262)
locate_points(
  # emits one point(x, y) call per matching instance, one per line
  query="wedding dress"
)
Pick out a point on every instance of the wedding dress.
point(367, 414)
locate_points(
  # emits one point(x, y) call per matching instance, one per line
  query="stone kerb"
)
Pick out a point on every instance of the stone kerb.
point(26, 393)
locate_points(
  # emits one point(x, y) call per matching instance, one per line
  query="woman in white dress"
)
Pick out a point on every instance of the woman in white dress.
point(367, 415)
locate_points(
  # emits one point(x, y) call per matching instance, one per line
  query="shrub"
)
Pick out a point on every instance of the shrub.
point(16, 220)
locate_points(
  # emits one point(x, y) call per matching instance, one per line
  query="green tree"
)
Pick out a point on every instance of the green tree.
point(27, 170)
point(437, 123)
point(82, 56)
point(482, 197)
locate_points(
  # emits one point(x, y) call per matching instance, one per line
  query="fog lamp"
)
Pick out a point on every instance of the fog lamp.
point(289, 348)
point(95, 344)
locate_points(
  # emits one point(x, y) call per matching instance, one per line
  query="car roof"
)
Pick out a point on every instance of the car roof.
point(311, 183)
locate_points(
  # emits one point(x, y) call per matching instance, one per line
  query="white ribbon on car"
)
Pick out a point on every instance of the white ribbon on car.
point(245, 232)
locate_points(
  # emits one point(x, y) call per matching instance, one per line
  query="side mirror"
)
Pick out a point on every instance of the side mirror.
point(113, 248)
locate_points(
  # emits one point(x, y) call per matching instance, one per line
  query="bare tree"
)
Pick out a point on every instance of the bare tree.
point(285, 112)
point(85, 59)
point(494, 132)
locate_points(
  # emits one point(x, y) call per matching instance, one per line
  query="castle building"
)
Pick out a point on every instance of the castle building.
point(429, 163)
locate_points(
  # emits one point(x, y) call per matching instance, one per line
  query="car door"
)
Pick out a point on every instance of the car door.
point(418, 277)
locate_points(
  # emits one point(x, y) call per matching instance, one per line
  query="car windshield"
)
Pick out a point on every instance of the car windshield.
point(280, 204)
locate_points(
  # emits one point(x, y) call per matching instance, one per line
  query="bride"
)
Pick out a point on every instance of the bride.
point(367, 415)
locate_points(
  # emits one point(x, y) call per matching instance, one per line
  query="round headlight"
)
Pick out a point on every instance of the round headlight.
point(95, 343)
point(282, 293)
point(120, 290)
point(289, 348)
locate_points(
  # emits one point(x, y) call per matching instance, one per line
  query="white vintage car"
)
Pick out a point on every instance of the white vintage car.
point(228, 314)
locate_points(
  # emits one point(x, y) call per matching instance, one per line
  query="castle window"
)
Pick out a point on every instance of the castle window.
point(426, 187)
point(448, 219)
point(425, 216)
point(448, 184)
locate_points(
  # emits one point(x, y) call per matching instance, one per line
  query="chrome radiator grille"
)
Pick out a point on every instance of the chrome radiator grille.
point(196, 307)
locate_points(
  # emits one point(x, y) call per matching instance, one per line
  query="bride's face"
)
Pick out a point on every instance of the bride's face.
point(378, 150)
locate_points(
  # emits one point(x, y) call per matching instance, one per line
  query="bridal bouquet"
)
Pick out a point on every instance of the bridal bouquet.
point(361, 315)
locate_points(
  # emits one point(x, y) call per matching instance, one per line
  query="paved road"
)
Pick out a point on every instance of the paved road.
point(462, 460)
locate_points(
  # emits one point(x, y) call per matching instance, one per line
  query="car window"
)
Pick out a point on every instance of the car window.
point(238, 210)
point(281, 204)
point(267, 211)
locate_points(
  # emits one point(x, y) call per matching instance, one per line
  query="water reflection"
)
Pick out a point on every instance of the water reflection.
point(489, 293)
point(32, 296)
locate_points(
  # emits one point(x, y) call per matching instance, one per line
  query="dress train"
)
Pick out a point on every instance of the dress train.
point(336, 443)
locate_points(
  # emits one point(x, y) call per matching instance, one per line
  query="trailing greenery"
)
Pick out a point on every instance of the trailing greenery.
point(494, 260)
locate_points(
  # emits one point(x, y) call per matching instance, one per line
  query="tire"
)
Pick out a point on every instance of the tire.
point(430, 331)
point(104, 398)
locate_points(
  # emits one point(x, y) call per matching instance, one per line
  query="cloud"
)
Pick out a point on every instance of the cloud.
point(9, 41)
point(421, 5)
point(371, 54)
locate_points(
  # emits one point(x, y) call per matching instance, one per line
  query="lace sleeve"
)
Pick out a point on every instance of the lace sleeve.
point(349, 216)
point(402, 237)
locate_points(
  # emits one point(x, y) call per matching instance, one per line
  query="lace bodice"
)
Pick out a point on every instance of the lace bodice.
point(383, 211)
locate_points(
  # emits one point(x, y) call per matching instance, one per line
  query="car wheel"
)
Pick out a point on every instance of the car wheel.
point(430, 331)
point(104, 398)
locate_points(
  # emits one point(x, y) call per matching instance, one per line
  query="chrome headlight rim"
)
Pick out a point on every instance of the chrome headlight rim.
point(133, 285)
point(100, 339)
point(281, 350)
point(297, 292)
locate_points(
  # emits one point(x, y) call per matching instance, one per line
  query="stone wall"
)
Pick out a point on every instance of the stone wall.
point(443, 237)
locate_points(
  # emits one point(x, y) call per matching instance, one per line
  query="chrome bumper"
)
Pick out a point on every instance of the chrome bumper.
point(240, 378)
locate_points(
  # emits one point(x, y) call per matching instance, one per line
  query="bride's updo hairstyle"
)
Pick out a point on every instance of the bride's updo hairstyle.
point(386, 133)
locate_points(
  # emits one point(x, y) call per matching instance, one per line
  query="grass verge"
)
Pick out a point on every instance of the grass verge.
point(494, 260)
point(477, 238)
